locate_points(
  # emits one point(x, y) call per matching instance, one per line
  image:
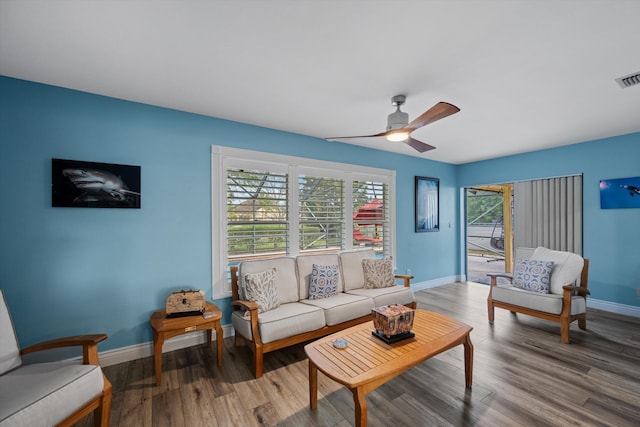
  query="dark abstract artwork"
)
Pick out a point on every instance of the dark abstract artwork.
point(94, 185)
point(620, 193)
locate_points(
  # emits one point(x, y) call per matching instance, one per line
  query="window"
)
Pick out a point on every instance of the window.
point(321, 213)
point(256, 213)
point(266, 205)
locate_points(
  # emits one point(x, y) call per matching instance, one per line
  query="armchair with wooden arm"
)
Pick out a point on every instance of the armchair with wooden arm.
point(566, 300)
point(52, 393)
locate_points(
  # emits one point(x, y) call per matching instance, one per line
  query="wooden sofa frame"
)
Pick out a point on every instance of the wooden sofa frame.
point(101, 404)
point(564, 318)
point(259, 348)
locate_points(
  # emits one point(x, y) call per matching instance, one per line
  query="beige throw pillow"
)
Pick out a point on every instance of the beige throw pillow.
point(261, 288)
point(378, 273)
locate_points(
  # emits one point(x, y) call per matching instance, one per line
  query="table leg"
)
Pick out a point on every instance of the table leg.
point(360, 406)
point(158, 341)
point(313, 385)
point(219, 342)
point(468, 361)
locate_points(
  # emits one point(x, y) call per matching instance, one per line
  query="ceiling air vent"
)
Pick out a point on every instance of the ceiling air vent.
point(630, 80)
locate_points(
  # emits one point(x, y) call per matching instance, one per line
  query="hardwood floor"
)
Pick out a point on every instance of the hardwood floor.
point(523, 375)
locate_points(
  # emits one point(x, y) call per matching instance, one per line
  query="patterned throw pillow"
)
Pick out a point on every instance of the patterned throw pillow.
point(261, 288)
point(378, 273)
point(324, 281)
point(532, 275)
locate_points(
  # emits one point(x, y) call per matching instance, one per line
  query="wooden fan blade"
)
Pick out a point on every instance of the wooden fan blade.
point(359, 136)
point(419, 146)
point(437, 112)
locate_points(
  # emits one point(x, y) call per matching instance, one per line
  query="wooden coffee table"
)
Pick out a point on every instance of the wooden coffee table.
point(165, 328)
point(368, 362)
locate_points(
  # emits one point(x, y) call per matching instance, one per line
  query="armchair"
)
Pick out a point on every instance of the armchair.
point(54, 393)
point(563, 275)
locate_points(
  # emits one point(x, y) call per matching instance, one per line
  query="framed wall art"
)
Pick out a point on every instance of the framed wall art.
point(427, 203)
point(620, 193)
point(78, 184)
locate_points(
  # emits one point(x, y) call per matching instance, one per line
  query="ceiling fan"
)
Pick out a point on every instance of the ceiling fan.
point(399, 129)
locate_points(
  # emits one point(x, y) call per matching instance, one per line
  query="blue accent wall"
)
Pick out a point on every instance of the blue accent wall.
point(68, 271)
point(611, 236)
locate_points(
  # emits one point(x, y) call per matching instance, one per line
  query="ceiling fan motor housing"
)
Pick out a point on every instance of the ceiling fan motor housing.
point(397, 120)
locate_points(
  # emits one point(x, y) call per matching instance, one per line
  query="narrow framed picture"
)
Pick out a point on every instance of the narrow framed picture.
point(77, 184)
point(427, 204)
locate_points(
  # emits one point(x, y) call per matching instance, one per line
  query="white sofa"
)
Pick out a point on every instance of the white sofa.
point(297, 318)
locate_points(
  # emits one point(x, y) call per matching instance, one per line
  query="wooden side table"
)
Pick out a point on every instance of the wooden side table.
point(164, 328)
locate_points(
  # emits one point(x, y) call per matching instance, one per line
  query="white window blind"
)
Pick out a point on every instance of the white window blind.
point(256, 213)
point(370, 215)
point(321, 213)
point(266, 205)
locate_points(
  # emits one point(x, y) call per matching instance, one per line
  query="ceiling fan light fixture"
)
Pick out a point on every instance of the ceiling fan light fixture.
point(397, 136)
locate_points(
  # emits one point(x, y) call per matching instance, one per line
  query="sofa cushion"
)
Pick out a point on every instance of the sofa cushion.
point(548, 303)
point(566, 269)
point(286, 281)
point(351, 267)
point(261, 288)
point(387, 296)
point(532, 275)
point(342, 307)
point(324, 281)
point(282, 322)
point(9, 350)
point(305, 263)
point(49, 392)
point(378, 273)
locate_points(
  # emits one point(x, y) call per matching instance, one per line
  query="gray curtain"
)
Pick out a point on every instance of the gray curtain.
point(548, 212)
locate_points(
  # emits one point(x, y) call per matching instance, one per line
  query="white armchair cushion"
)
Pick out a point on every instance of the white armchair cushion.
point(387, 296)
point(566, 270)
point(282, 322)
point(342, 307)
point(9, 351)
point(351, 267)
point(49, 392)
point(286, 281)
point(547, 303)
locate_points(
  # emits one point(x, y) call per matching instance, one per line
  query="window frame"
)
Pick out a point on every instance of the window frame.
point(223, 158)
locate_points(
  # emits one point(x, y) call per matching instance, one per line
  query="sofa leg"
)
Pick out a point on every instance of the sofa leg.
point(237, 341)
point(564, 331)
point(102, 415)
point(259, 357)
point(490, 311)
point(582, 323)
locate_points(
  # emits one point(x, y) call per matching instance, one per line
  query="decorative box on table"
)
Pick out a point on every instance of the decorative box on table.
point(393, 322)
point(185, 303)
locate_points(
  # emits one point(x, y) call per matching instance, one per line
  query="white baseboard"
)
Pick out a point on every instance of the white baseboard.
point(614, 307)
point(139, 351)
point(436, 282)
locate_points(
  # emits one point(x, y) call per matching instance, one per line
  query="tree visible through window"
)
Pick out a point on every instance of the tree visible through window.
point(256, 213)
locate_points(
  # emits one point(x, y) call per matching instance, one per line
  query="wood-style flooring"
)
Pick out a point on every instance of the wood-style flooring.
point(522, 376)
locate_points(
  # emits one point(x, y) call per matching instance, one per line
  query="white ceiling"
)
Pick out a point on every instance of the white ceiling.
point(526, 74)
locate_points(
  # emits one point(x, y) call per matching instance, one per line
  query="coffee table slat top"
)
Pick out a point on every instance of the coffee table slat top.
point(359, 363)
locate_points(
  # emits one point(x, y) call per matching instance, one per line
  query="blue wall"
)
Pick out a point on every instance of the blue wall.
point(69, 271)
point(611, 236)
